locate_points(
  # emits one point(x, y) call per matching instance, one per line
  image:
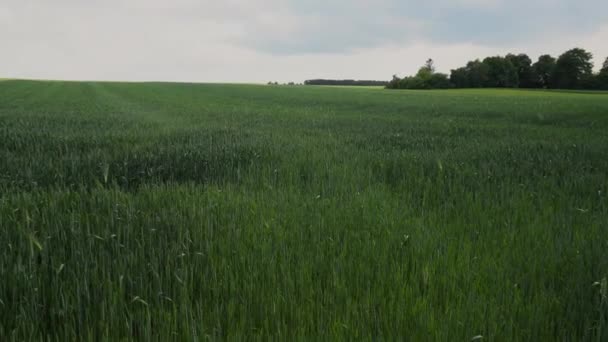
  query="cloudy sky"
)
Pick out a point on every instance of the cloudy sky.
point(282, 40)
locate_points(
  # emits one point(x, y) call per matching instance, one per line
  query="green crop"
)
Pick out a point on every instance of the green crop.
point(191, 212)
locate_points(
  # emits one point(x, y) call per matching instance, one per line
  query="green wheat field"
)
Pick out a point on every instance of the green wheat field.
point(159, 211)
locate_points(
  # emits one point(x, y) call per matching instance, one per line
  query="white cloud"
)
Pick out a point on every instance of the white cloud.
point(250, 40)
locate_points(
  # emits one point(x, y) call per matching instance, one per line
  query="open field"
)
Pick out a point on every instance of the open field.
point(179, 211)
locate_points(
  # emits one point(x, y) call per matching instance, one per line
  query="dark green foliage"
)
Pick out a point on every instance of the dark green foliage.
point(501, 73)
point(597, 81)
point(473, 75)
point(439, 81)
point(426, 78)
point(543, 70)
point(394, 83)
point(525, 73)
point(185, 212)
point(432, 81)
point(573, 70)
point(602, 77)
point(459, 78)
point(477, 74)
point(413, 82)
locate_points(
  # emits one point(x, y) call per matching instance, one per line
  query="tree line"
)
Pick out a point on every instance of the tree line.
point(571, 70)
point(346, 82)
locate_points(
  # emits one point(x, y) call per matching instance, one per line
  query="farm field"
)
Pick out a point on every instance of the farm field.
point(160, 211)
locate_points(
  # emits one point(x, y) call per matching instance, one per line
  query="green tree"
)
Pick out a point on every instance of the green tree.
point(420, 81)
point(476, 74)
point(602, 77)
point(430, 65)
point(501, 73)
point(543, 70)
point(424, 73)
point(458, 78)
point(523, 65)
point(573, 69)
point(439, 81)
point(425, 78)
point(473, 75)
point(394, 83)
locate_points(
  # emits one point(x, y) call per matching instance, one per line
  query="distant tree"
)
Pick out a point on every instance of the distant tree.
point(434, 81)
point(473, 75)
point(425, 72)
point(430, 65)
point(523, 65)
point(439, 81)
point(543, 70)
point(573, 69)
point(412, 82)
point(477, 74)
point(501, 73)
point(425, 78)
point(602, 77)
point(458, 78)
point(394, 83)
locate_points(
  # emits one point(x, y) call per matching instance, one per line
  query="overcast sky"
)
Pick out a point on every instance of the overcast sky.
point(282, 40)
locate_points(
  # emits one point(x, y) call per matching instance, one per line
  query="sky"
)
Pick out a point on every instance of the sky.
point(256, 41)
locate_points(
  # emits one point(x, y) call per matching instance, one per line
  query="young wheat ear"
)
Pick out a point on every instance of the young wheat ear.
point(105, 169)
